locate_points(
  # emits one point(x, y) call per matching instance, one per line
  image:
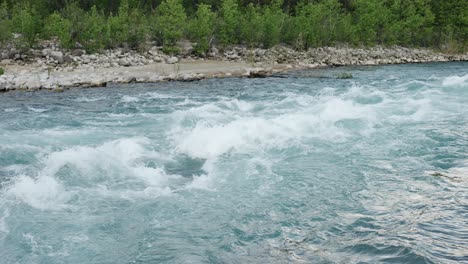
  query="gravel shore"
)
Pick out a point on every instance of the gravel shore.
point(53, 69)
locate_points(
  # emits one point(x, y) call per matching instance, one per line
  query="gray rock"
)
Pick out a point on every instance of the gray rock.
point(124, 62)
point(46, 52)
point(185, 47)
point(78, 52)
point(158, 59)
point(172, 60)
point(154, 51)
point(57, 55)
point(67, 59)
point(259, 73)
point(214, 52)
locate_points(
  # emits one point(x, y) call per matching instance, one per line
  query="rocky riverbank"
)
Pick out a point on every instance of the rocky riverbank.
point(55, 69)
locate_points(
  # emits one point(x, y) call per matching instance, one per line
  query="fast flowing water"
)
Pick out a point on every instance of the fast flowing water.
point(305, 169)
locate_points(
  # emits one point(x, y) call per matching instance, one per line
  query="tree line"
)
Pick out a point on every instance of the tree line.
point(101, 24)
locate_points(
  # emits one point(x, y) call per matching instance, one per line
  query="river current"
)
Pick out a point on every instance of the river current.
point(306, 168)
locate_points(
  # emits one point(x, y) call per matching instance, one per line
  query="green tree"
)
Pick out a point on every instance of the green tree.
point(95, 33)
point(229, 23)
point(411, 22)
point(273, 20)
point(26, 22)
point(250, 25)
point(171, 22)
point(5, 24)
point(371, 20)
point(73, 13)
point(128, 27)
point(318, 24)
point(58, 26)
point(202, 28)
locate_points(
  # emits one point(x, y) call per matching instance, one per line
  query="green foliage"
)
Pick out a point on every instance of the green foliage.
point(372, 19)
point(99, 24)
point(250, 25)
point(5, 24)
point(127, 27)
point(228, 32)
point(202, 28)
point(95, 32)
point(319, 24)
point(273, 19)
point(73, 13)
point(410, 22)
point(26, 22)
point(2, 71)
point(171, 22)
point(57, 25)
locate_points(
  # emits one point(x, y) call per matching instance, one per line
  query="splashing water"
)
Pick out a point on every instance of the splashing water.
point(299, 169)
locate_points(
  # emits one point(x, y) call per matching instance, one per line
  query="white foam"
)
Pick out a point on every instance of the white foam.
point(111, 165)
point(89, 99)
point(44, 193)
point(208, 139)
point(9, 110)
point(37, 110)
point(203, 182)
point(154, 95)
point(455, 80)
point(129, 99)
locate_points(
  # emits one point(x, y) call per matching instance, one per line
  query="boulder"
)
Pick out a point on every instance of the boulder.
point(172, 60)
point(68, 59)
point(46, 52)
point(259, 73)
point(124, 62)
point(185, 47)
point(78, 52)
point(57, 55)
point(154, 51)
point(214, 52)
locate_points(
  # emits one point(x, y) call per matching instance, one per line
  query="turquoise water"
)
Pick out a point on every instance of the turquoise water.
point(303, 169)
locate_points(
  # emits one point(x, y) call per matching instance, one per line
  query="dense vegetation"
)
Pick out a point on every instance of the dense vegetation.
point(100, 24)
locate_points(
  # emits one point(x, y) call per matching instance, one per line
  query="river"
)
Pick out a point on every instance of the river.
point(308, 168)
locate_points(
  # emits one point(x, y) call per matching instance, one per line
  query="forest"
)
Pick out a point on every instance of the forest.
point(101, 24)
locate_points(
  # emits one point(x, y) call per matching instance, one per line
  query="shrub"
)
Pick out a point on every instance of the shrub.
point(95, 31)
point(202, 28)
point(5, 24)
point(250, 25)
point(58, 26)
point(411, 22)
point(371, 18)
point(26, 22)
point(229, 22)
point(129, 26)
point(76, 16)
point(318, 24)
point(171, 22)
point(273, 20)
point(2, 71)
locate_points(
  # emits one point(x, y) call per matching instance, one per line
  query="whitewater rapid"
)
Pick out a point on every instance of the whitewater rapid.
point(304, 169)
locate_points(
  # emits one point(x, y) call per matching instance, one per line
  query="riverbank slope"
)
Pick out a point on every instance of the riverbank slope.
point(53, 69)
